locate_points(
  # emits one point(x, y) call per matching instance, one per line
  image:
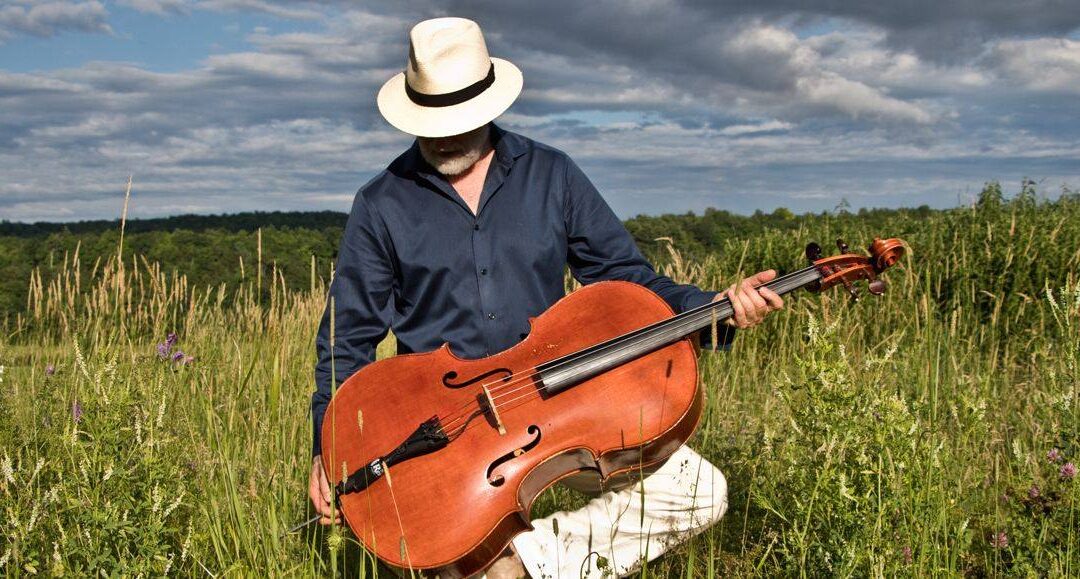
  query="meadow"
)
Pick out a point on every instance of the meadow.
point(933, 431)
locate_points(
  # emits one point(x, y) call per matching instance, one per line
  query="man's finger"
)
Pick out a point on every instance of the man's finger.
point(746, 307)
point(775, 301)
point(324, 486)
point(762, 277)
point(760, 307)
point(750, 304)
point(737, 307)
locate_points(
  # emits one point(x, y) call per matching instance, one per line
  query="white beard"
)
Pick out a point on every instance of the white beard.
point(456, 162)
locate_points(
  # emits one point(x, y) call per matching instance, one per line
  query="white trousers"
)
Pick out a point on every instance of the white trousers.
point(617, 531)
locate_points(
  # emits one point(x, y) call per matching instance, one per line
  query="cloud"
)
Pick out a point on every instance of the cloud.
point(285, 10)
point(766, 127)
point(159, 7)
point(44, 19)
point(668, 106)
point(1042, 64)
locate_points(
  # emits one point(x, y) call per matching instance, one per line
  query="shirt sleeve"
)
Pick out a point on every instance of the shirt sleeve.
point(600, 248)
point(361, 295)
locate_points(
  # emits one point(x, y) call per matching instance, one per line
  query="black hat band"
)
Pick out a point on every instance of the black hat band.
point(451, 98)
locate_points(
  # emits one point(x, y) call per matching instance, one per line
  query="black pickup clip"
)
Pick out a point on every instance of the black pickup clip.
point(427, 438)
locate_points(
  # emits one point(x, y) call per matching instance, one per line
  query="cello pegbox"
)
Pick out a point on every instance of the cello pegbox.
point(847, 268)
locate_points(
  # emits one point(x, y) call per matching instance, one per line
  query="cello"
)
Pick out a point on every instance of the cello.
point(436, 460)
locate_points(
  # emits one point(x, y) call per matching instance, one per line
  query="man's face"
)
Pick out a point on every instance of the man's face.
point(454, 155)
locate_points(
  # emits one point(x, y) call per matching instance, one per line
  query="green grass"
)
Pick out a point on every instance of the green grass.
point(906, 435)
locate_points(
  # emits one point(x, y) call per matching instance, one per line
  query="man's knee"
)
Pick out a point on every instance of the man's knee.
point(706, 487)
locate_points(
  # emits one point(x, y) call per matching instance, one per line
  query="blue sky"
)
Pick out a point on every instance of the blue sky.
point(218, 106)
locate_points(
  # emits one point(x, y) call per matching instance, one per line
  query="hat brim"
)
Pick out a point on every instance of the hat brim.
point(421, 121)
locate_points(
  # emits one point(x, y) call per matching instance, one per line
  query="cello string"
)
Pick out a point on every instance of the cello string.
point(665, 328)
point(673, 325)
point(672, 329)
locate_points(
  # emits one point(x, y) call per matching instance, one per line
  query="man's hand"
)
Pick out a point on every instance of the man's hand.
point(319, 491)
point(751, 302)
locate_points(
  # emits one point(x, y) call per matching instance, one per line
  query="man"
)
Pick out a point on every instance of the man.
point(461, 240)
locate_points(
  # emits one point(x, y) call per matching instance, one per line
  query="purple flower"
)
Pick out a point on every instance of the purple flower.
point(1033, 492)
point(1068, 471)
point(187, 360)
point(50, 370)
point(1053, 455)
point(999, 540)
point(177, 356)
point(163, 350)
point(906, 551)
point(170, 340)
point(76, 411)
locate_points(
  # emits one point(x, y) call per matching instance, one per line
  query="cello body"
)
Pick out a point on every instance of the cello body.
point(453, 510)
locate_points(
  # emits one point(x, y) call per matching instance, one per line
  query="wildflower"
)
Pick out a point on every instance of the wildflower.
point(58, 562)
point(1053, 455)
point(170, 340)
point(1068, 471)
point(50, 370)
point(999, 540)
point(163, 350)
point(155, 496)
point(1033, 492)
point(7, 469)
point(179, 355)
point(187, 360)
point(76, 411)
point(334, 540)
point(906, 551)
point(187, 544)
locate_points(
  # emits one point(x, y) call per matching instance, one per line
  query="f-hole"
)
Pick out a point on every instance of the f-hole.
point(448, 378)
point(498, 480)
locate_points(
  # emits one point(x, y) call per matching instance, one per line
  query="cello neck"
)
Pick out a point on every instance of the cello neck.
point(565, 372)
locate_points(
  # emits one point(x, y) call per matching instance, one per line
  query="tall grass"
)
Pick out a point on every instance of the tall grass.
point(926, 432)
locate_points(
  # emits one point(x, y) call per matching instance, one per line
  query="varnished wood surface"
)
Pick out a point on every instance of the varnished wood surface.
point(439, 512)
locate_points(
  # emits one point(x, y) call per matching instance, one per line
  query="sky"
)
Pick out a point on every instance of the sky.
point(221, 106)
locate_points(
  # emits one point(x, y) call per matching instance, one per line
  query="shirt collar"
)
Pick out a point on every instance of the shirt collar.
point(508, 146)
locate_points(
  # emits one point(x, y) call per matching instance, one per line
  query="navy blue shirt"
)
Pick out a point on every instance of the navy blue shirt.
point(415, 258)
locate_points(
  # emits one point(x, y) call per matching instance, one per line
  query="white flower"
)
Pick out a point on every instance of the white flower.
point(7, 469)
point(172, 506)
point(155, 496)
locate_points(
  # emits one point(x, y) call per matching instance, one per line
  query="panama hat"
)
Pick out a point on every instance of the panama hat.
point(450, 84)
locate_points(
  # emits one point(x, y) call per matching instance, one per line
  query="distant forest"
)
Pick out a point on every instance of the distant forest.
point(212, 249)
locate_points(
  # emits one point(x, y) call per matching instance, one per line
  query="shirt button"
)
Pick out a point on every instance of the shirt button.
point(491, 316)
point(483, 271)
point(476, 227)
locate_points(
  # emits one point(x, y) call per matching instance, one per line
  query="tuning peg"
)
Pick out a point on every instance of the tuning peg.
point(813, 252)
point(877, 286)
point(843, 247)
point(851, 288)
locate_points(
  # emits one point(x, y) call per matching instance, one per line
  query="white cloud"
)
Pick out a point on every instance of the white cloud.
point(39, 18)
point(1041, 64)
point(159, 7)
point(285, 10)
point(768, 126)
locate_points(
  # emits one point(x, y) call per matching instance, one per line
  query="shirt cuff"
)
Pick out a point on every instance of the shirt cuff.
point(725, 334)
